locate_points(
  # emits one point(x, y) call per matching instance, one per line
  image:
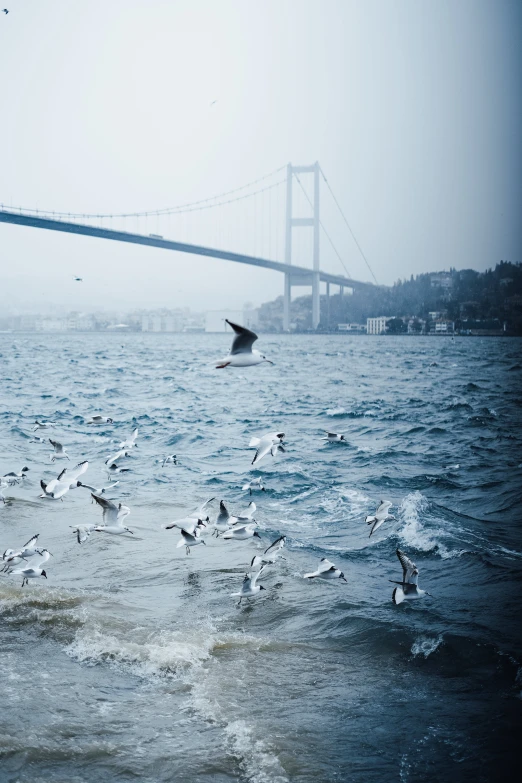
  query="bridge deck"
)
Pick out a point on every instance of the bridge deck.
point(181, 247)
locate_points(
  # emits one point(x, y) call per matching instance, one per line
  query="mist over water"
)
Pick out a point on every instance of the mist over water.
point(132, 661)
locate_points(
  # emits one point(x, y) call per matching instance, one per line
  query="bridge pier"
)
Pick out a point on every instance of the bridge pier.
point(287, 298)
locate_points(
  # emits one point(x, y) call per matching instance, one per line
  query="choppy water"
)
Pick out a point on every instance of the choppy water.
point(132, 662)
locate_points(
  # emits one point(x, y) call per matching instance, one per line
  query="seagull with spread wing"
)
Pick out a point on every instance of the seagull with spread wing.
point(59, 487)
point(270, 443)
point(249, 588)
point(409, 588)
point(241, 353)
point(326, 570)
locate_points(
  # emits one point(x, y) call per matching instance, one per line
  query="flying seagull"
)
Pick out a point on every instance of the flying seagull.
point(59, 451)
point(113, 516)
point(100, 420)
point(333, 437)
point(5, 10)
point(189, 540)
point(409, 587)
point(253, 485)
point(241, 353)
point(78, 279)
point(249, 588)
point(380, 516)
point(270, 443)
point(41, 557)
point(58, 487)
point(270, 554)
point(11, 558)
point(326, 570)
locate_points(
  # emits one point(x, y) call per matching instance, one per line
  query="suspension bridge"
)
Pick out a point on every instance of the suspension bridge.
point(265, 237)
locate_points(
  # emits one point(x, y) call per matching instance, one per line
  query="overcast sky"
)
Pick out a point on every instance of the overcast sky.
point(412, 108)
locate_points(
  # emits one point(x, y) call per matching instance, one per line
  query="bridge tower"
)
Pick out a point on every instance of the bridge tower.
point(292, 222)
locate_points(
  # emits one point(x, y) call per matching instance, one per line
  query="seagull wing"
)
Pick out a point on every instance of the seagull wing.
point(408, 567)
point(78, 470)
point(265, 445)
point(276, 546)
point(40, 558)
point(244, 339)
point(248, 512)
point(254, 577)
point(32, 541)
point(110, 509)
point(325, 565)
point(57, 446)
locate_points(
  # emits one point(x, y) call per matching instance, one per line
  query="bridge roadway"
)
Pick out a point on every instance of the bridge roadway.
point(299, 275)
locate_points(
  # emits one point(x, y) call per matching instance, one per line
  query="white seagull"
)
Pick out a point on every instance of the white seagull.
point(113, 516)
point(225, 520)
point(196, 519)
point(59, 451)
point(253, 486)
point(41, 557)
point(110, 461)
point(326, 570)
point(43, 425)
point(270, 443)
point(170, 459)
point(100, 420)
point(99, 490)
point(241, 353)
point(11, 558)
point(82, 532)
point(270, 554)
point(380, 516)
point(37, 439)
point(189, 540)
point(334, 437)
point(409, 587)
point(59, 487)
point(249, 588)
point(241, 532)
point(12, 476)
point(131, 442)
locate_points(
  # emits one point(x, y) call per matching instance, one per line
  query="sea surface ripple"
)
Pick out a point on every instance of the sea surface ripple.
point(132, 661)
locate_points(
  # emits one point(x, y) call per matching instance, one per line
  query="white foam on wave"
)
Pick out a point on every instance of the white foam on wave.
point(335, 411)
point(256, 760)
point(426, 645)
point(415, 535)
point(145, 653)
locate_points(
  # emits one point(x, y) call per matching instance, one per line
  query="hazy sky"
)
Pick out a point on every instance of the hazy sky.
point(412, 107)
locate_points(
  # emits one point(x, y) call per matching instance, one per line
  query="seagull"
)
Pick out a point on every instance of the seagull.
point(326, 570)
point(12, 475)
point(333, 437)
point(58, 487)
point(5, 10)
point(111, 460)
point(409, 587)
point(78, 279)
point(114, 515)
point(189, 540)
point(380, 516)
point(43, 425)
point(249, 588)
point(59, 451)
point(270, 443)
point(213, 102)
point(252, 486)
point(241, 532)
point(131, 442)
point(270, 554)
point(226, 520)
point(10, 557)
point(171, 458)
point(189, 525)
point(37, 439)
point(99, 490)
point(241, 353)
point(33, 572)
point(100, 420)
point(82, 532)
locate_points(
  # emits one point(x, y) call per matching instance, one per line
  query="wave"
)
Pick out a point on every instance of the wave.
point(426, 645)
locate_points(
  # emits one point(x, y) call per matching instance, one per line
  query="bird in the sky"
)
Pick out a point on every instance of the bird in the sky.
point(241, 353)
point(5, 10)
point(78, 279)
point(213, 102)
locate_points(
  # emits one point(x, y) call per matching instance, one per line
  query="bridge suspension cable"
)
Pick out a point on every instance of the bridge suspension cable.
point(188, 207)
point(348, 225)
point(322, 226)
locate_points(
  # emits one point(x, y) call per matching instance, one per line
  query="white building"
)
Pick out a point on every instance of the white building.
point(377, 325)
point(352, 328)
